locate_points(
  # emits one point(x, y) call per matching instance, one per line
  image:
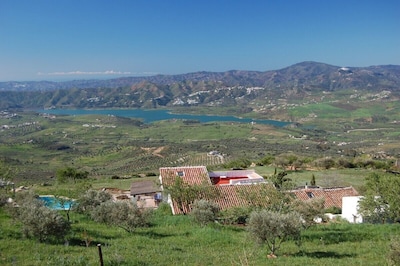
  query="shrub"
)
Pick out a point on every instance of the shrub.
point(333, 210)
point(164, 209)
point(236, 215)
point(273, 228)
point(325, 163)
point(310, 210)
point(3, 197)
point(204, 212)
point(41, 222)
point(123, 214)
point(70, 173)
point(267, 160)
point(90, 200)
point(241, 163)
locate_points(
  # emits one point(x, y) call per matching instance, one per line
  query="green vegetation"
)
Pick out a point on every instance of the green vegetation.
point(273, 228)
point(382, 195)
point(204, 212)
point(39, 222)
point(68, 156)
point(176, 239)
point(106, 146)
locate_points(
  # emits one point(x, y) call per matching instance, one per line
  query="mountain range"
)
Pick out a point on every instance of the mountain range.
point(304, 80)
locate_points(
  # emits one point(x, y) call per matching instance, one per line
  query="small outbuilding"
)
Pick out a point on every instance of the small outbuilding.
point(147, 194)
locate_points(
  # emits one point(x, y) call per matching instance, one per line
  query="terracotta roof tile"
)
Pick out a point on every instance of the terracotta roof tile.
point(333, 196)
point(192, 175)
point(232, 196)
point(228, 195)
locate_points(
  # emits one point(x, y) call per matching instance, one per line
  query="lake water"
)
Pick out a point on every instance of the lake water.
point(149, 116)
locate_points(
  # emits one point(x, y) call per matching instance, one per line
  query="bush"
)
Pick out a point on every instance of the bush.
point(204, 212)
point(164, 209)
point(70, 173)
point(310, 210)
point(236, 215)
point(3, 197)
point(90, 200)
point(241, 163)
point(123, 214)
point(333, 210)
point(41, 222)
point(273, 228)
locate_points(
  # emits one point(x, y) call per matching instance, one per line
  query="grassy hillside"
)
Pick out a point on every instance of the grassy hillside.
point(35, 146)
point(173, 240)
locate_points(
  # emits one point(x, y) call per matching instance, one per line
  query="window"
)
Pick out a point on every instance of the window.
point(181, 173)
point(310, 195)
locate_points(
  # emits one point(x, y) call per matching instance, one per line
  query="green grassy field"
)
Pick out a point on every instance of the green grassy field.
point(176, 240)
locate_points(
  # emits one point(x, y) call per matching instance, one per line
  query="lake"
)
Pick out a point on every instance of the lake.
point(149, 116)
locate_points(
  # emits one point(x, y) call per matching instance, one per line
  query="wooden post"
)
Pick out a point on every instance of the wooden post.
point(100, 255)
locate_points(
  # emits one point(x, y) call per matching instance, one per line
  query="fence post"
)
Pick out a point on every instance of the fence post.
point(100, 255)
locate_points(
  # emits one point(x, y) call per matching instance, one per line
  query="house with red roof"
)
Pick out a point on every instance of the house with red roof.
point(333, 196)
point(231, 187)
point(240, 188)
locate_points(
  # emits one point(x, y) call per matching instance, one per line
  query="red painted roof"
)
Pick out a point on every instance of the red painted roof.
point(333, 196)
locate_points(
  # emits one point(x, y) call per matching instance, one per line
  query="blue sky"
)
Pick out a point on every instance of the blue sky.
point(81, 39)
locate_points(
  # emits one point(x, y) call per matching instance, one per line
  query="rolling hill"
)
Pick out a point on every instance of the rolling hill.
point(306, 81)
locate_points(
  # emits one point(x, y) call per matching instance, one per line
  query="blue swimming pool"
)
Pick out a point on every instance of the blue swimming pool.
point(57, 204)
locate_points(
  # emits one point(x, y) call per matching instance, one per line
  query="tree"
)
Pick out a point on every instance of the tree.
point(41, 222)
point(381, 199)
point(267, 160)
point(313, 182)
point(240, 163)
point(309, 210)
point(6, 175)
point(66, 204)
point(280, 181)
point(204, 211)
point(6, 171)
point(325, 163)
point(288, 160)
point(184, 194)
point(274, 228)
point(90, 200)
point(71, 173)
point(123, 214)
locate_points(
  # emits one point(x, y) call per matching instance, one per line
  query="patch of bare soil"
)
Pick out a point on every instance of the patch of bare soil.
point(154, 150)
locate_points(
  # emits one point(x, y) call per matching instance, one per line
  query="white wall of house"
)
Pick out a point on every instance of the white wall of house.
point(350, 209)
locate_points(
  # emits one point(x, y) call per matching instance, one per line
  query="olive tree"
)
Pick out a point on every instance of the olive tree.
point(70, 173)
point(123, 214)
point(381, 200)
point(184, 194)
point(40, 222)
point(309, 210)
point(90, 200)
point(273, 228)
point(204, 212)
